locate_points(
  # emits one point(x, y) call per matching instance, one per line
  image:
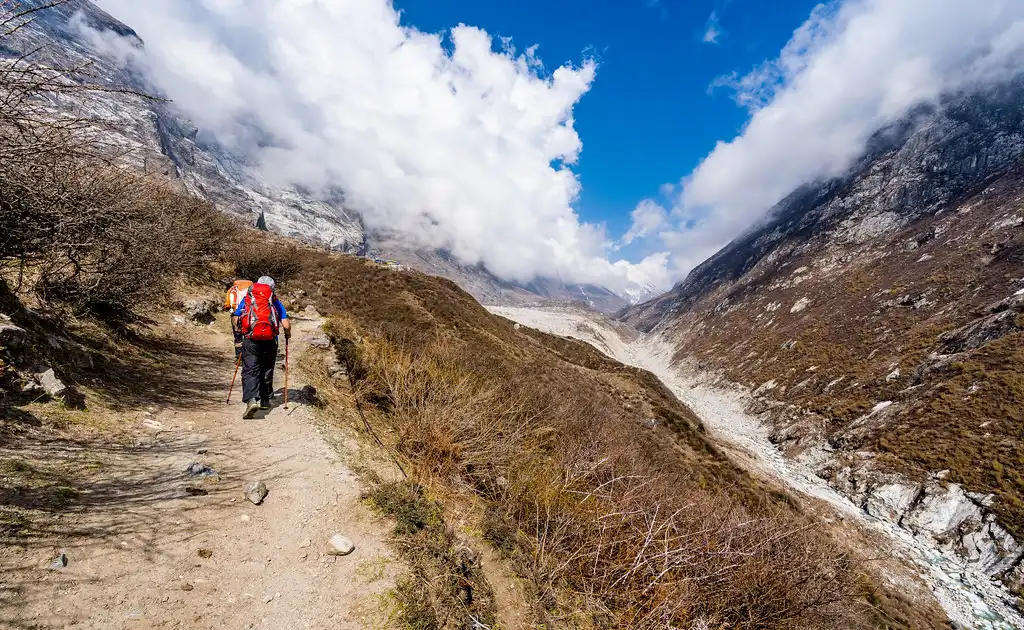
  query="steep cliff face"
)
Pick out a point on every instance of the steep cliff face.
point(879, 321)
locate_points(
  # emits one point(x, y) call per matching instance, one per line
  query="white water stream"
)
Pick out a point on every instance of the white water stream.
point(969, 598)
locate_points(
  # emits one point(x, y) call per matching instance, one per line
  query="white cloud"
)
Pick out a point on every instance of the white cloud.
point(437, 136)
point(647, 218)
point(852, 68)
point(712, 29)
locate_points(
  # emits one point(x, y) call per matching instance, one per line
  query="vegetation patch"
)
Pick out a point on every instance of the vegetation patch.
point(612, 524)
point(446, 588)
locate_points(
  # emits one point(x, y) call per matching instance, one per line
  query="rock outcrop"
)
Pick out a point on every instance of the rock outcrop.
point(955, 520)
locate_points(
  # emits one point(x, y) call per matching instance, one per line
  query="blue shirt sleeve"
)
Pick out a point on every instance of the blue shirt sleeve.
point(241, 306)
point(281, 313)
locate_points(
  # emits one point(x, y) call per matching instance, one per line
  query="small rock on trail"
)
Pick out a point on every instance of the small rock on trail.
point(340, 546)
point(200, 470)
point(256, 492)
point(60, 561)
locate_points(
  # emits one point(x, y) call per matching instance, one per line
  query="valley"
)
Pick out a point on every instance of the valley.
point(968, 596)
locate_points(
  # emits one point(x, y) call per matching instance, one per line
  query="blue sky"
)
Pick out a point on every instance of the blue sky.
point(649, 117)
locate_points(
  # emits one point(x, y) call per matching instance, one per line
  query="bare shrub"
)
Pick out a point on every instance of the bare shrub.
point(259, 255)
point(83, 232)
point(604, 531)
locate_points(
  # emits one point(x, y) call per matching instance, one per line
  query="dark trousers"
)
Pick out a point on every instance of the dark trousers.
point(258, 359)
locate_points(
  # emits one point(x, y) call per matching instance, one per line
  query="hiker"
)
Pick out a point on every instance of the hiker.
point(258, 317)
point(235, 294)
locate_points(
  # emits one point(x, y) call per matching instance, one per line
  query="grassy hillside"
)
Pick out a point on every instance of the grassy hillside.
point(596, 482)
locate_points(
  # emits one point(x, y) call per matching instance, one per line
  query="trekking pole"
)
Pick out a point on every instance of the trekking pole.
point(238, 362)
point(286, 371)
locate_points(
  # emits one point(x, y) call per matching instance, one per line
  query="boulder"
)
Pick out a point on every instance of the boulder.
point(11, 335)
point(200, 310)
point(50, 384)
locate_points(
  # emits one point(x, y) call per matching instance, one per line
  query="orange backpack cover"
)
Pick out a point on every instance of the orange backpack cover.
point(236, 293)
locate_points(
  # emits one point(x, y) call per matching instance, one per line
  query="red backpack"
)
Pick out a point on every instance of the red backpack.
point(259, 317)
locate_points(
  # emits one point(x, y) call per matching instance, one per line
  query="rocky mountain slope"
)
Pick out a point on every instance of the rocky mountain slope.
point(878, 319)
point(485, 286)
point(156, 137)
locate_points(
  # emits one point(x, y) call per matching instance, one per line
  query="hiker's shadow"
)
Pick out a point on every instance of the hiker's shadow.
point(304, 397)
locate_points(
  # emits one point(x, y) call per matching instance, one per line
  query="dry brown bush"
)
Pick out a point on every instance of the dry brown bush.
point(255, 254)
point(603, 531)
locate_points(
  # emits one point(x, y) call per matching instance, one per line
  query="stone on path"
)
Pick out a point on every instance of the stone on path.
point(318, 339)
point(60, 561)
point(340, 546)
point(200, 470)
point(256, 492)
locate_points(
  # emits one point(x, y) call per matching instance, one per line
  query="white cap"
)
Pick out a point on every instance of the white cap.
point(266, 280)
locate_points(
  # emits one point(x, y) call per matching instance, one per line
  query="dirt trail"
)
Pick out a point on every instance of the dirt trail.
point(145, 553)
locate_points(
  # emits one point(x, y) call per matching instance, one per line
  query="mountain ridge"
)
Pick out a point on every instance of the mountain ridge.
point(876, 320)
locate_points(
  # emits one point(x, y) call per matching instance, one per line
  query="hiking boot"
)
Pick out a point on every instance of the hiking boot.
point(264, 406)
point(250, 409)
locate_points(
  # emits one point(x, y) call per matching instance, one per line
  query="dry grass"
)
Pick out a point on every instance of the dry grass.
point(446, 588)
point(601, 532)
